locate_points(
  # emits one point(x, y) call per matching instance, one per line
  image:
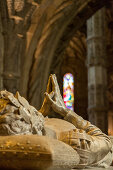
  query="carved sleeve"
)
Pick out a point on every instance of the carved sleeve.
point(100, 144)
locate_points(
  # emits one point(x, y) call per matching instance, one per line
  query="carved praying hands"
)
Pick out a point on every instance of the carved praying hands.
point(53, 101)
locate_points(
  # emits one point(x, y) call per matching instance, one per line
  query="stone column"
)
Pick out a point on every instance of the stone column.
point(97, 76)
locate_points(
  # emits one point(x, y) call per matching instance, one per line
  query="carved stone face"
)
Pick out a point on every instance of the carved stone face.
point(18, 117)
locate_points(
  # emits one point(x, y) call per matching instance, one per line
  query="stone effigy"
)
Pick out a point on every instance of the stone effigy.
point(31, 139)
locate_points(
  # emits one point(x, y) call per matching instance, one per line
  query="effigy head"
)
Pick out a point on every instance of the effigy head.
point(18, 117)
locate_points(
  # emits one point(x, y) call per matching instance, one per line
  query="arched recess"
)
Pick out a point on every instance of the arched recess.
point(74, 61)
point(58, 17)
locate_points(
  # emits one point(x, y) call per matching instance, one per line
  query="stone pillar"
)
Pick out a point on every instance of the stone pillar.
point(97, 76)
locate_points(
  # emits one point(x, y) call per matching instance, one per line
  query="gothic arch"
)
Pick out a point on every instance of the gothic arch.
point(74, 61)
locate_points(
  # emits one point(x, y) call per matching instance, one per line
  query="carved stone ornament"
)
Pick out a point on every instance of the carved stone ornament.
point(32, 139)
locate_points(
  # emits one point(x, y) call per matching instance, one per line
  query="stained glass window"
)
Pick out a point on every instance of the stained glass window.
point(68, 90)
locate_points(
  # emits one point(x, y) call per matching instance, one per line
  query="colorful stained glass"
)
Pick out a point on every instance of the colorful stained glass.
point(68, 91)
